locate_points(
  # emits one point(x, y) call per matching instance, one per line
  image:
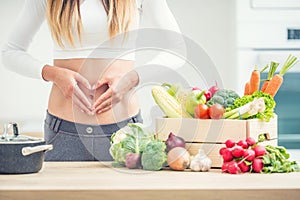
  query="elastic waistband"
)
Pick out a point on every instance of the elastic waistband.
point(57, 124)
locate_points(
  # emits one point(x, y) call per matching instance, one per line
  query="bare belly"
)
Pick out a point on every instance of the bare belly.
point(92, 70)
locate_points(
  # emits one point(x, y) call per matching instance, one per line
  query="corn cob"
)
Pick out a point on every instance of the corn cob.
point(168, 104)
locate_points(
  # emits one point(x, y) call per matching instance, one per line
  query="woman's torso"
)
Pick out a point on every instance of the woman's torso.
point(92, 70)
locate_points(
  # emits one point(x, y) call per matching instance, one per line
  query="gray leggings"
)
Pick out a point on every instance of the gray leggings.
point(80, 142)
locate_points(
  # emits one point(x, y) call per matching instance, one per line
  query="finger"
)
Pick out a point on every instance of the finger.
point(82, 97)
point(106, 95)
point(104, 105)
point(99, 84)
point(105, 109)
point(80, 79)
point(81, 106)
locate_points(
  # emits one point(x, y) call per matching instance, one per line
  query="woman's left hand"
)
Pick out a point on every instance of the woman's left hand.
point(119, 85)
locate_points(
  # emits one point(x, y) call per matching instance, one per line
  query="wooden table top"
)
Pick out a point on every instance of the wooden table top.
point(88, 180)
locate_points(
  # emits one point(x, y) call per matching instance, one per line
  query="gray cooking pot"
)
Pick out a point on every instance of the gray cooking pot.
point(20, 154)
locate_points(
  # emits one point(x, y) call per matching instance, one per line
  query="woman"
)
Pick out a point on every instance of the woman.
point(92, 94)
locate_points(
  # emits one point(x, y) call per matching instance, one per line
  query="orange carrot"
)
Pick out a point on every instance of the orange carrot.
point(277, 80)
point(265, 85)
point(246, 90)
point(274, 85)
point(254, 81)
point(271, 73)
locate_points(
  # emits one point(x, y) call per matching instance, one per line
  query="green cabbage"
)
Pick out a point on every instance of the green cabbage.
point(132, 138)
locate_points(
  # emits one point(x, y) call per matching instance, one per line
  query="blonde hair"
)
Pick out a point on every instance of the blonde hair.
point(64, 18)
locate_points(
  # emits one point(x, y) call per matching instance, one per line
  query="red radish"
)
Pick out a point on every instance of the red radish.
point(216, 111)
point(214, 89)
point(251, 141)
point(227, 156)
point(225, 166)
point(249, 154)
point(257, 165)
point(243, 167)
point(233, 168)
point(260, 150)
point(207, 95)
point(229, 143)
point(243, 144)
point(237, 152)
point(221, 150)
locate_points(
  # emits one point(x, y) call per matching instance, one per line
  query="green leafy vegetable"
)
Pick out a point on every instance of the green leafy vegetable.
point(224, 97)
point(269, 102)
point(133, 138)
point(246, 111)
point(154, 155)
point(276, 161)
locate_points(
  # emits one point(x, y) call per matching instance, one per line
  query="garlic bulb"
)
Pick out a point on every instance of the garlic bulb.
point(195, 165)
point(201, 162)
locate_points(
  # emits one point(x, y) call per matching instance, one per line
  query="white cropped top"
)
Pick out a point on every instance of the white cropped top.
point(94, 40)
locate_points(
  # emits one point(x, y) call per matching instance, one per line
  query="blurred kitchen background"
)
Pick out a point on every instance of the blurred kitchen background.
point(236, 35)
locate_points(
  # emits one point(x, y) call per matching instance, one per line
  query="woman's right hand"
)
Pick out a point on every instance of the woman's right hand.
point(68, 82)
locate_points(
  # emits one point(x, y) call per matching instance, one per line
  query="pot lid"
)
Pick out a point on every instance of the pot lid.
point(16, 137)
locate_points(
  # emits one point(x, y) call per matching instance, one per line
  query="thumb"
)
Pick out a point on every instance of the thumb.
point(99, 84)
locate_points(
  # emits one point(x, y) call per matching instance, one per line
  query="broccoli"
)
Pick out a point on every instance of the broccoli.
point(224, 97)
point(154, 156)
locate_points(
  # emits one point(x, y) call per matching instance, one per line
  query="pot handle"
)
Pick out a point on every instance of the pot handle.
point(30, 150)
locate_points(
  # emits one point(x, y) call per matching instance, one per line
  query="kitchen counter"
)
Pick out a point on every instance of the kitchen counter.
point(98, 180)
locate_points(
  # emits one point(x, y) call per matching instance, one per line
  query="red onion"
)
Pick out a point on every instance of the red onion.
point(174, 141)
point(133, 161)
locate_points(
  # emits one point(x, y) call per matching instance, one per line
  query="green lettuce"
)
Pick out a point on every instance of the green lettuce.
point(269, 102)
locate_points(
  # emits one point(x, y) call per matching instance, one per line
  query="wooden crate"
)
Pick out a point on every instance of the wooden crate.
point(210, 135)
